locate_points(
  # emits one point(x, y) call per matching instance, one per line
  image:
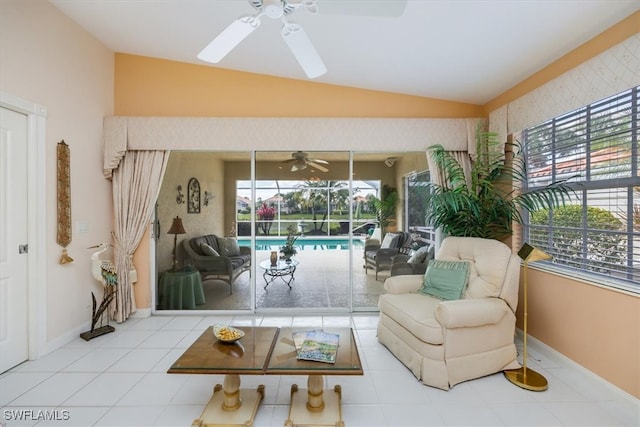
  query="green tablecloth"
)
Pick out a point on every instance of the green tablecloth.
point(180, 289)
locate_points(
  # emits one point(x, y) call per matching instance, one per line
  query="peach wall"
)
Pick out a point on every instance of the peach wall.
point(594, 326)
point(49, 60)
point(597, 327)
point(156, 87)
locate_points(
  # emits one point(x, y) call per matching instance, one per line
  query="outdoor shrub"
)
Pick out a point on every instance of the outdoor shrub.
point(604, 247)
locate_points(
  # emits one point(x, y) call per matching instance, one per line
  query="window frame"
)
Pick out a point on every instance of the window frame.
point(592, 129)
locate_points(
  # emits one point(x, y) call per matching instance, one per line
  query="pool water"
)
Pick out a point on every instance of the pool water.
point(303, 243)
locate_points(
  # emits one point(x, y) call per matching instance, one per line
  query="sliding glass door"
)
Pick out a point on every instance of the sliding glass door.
point(324, 201)
point(303, 198)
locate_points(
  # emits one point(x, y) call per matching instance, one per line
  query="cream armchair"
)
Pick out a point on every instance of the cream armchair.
point(446, 342)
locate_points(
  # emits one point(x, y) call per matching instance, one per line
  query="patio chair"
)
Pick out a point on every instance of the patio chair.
point(416, 263)
point(378, 256)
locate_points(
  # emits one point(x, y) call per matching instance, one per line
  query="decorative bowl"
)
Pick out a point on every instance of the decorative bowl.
point(227, 334)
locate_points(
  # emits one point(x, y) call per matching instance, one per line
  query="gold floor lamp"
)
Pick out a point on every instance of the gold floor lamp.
point(525, 377)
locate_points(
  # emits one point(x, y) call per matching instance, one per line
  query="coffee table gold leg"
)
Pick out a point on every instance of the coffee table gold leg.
point(316, 408)
point(231, 406)
point(315, 387)
point(231, 389)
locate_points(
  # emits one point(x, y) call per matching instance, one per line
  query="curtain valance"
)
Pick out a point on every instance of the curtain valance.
point(246, 133)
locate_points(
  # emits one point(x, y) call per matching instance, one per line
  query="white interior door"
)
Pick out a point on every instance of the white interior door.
point(14, 339)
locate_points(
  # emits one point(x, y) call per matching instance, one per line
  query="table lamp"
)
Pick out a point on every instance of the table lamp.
point(176, 228)
point(525, 377)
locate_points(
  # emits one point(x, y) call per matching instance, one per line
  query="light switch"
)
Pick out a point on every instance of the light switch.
point(82, 226)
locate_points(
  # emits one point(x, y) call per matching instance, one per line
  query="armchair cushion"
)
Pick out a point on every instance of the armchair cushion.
point(419, 256)
point(228, 246)
point(446, 280)
point(208, 250)
point(390, 241)
point(469, 313)
point(416, 313)
point(488, 263)
point(410, 283)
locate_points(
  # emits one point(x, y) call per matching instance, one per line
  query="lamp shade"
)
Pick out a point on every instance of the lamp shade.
point(530, 254)
point(176, 227)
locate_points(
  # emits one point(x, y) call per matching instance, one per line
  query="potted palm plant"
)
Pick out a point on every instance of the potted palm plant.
point(288, 249)
point(488, 202)
point(385, 207)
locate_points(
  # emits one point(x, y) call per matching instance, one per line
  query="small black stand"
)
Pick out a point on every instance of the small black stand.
point(97, 332)
point(98, 314)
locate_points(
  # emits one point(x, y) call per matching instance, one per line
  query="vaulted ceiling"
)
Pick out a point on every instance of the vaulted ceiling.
point(464, 50)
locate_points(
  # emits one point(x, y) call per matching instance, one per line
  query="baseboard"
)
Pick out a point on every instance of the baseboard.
point(555, 353)
point(64, 339)
point(74, 333)
point(141, 313)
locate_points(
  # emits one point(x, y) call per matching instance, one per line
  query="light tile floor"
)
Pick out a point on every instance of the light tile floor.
point(120, 379)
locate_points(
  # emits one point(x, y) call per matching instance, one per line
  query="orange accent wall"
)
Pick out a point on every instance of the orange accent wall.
point(596, 327)
point(157, 87)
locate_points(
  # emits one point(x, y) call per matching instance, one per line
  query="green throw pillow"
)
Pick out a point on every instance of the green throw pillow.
point(446, 280)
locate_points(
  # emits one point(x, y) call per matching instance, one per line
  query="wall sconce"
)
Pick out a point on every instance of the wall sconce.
point(208, 196)
point(180, 196)
point(390, 161)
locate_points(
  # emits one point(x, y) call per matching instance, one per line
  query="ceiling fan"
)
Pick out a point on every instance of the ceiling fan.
point(294, 36)
point(300, 160)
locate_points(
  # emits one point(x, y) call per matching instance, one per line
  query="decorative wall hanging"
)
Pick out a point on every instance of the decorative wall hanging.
point(64, 201)
point(193, 196)
point(180, 196)
point(208, 196)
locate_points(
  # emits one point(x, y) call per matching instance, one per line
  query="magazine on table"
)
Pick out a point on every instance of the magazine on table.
point(299, 337)
point(318, 345)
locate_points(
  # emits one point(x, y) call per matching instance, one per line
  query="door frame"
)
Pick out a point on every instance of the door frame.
point(36, 224)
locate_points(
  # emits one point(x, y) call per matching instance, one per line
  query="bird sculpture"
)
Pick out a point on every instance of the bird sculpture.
point(103, 270)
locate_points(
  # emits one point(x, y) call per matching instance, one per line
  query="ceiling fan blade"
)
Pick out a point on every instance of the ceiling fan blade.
point(324, 162)
point(317, 166)
point(228, 39)
point(303, 50)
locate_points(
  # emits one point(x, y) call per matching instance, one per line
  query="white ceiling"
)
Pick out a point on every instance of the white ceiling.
point(459, 50)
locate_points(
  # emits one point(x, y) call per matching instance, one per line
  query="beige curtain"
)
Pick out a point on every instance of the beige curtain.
point(437, 176)
point(462, 157)
point(136, 183)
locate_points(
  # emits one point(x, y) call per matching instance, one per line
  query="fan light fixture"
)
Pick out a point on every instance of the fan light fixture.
point(294, 36)
point(298, 165)
point(300, 161)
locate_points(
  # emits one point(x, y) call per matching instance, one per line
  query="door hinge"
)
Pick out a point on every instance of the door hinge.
point(23, 249)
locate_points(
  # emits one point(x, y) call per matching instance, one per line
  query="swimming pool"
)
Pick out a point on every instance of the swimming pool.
point(313, 243)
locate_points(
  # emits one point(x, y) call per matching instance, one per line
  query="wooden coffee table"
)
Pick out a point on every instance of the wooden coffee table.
point(270, 351)
point(229, 405)
point(316, 407)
